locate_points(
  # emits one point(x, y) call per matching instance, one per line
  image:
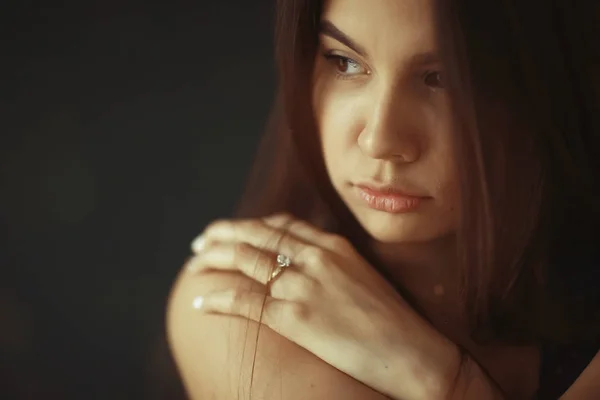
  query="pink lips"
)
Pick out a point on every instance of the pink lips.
point(388, 200)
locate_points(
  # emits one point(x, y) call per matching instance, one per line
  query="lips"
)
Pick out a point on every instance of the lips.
point(388, 199)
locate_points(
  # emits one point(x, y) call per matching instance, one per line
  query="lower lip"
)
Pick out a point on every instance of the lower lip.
point(389, 202)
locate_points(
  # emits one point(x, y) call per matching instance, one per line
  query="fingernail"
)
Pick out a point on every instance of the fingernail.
point(197, 303)
point(198, 244)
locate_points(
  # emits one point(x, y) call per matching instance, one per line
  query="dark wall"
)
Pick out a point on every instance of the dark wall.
point(125, 129)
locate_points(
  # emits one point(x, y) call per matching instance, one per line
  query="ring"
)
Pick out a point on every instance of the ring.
point(282, 263)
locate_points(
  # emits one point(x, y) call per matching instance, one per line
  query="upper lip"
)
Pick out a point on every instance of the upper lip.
point(388, 189)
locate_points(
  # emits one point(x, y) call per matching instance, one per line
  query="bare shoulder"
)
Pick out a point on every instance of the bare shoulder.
point(225, 358)
point(587, 386)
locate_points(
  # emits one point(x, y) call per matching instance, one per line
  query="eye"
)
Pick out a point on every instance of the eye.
point(345, 67)
point(434, 79)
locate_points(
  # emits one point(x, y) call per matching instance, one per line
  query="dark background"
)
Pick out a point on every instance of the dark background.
point(125, 129)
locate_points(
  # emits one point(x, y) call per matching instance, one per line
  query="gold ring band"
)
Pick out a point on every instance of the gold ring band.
point(276, 272)
point(282, 263)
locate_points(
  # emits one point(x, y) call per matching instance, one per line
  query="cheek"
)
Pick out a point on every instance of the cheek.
point(443, 169)
point(339, 119)
point(440, 153)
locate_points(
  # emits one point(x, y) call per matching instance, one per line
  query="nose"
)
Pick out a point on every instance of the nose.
point(391, 131)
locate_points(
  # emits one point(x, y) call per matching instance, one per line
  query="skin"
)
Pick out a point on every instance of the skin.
point(383, 117)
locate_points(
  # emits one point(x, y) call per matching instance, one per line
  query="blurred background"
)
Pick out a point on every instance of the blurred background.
point(125, 128)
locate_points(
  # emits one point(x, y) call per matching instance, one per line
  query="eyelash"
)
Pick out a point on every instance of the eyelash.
point(337, 58)
point(339, 75)
point(427, 74)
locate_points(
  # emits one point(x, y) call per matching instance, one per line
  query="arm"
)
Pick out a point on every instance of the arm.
point(422, 364)
point(474, 384)
point(214, 355)
point(587, 386)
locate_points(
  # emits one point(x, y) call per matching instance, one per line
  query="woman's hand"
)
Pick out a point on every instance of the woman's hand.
point(329, 300)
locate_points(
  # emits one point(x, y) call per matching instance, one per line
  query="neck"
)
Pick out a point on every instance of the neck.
point(427, 273)
point(423, 269)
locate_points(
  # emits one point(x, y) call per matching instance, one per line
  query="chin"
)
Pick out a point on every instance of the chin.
point(401, 228)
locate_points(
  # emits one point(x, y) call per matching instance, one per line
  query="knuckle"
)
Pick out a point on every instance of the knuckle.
point(271, 311)
point(305, 287)
point(231, 299)
point(316, 255)
point(295, 285)
point(299, 225)
point(242, 249)
point(252, 226)
point(298, 312)
point(237, 296)
point(280, 218)
point(241, 252)
point(264, 266)
point(338, 243)
point(253, 230)
point(264, 258)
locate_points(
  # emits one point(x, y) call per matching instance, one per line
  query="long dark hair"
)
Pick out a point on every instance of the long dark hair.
point(524, 77)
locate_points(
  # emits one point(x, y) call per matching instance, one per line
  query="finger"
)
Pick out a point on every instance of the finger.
point(306, 231)
point(255, 263)
point(257, 307)
point(243, 282)
point(239, 256)
point(257, 233)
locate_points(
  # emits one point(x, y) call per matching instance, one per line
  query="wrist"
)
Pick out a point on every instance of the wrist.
point(447, 373)
point(472, 382)
point(426, 371)
point(439, 370)
point(422, 372)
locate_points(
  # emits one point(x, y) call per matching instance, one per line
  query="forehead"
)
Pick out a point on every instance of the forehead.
point(385, 28)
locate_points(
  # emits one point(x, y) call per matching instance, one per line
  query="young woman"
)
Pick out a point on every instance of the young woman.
point(437, 162)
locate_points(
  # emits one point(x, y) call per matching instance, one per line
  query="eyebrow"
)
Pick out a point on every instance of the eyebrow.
point(426, 58)
point(327, 28)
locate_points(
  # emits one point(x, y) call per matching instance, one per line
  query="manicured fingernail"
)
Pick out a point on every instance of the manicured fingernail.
point(197, 303)
point(198, 244)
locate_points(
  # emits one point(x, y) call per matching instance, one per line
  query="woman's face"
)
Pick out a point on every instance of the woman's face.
point(384, 119)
